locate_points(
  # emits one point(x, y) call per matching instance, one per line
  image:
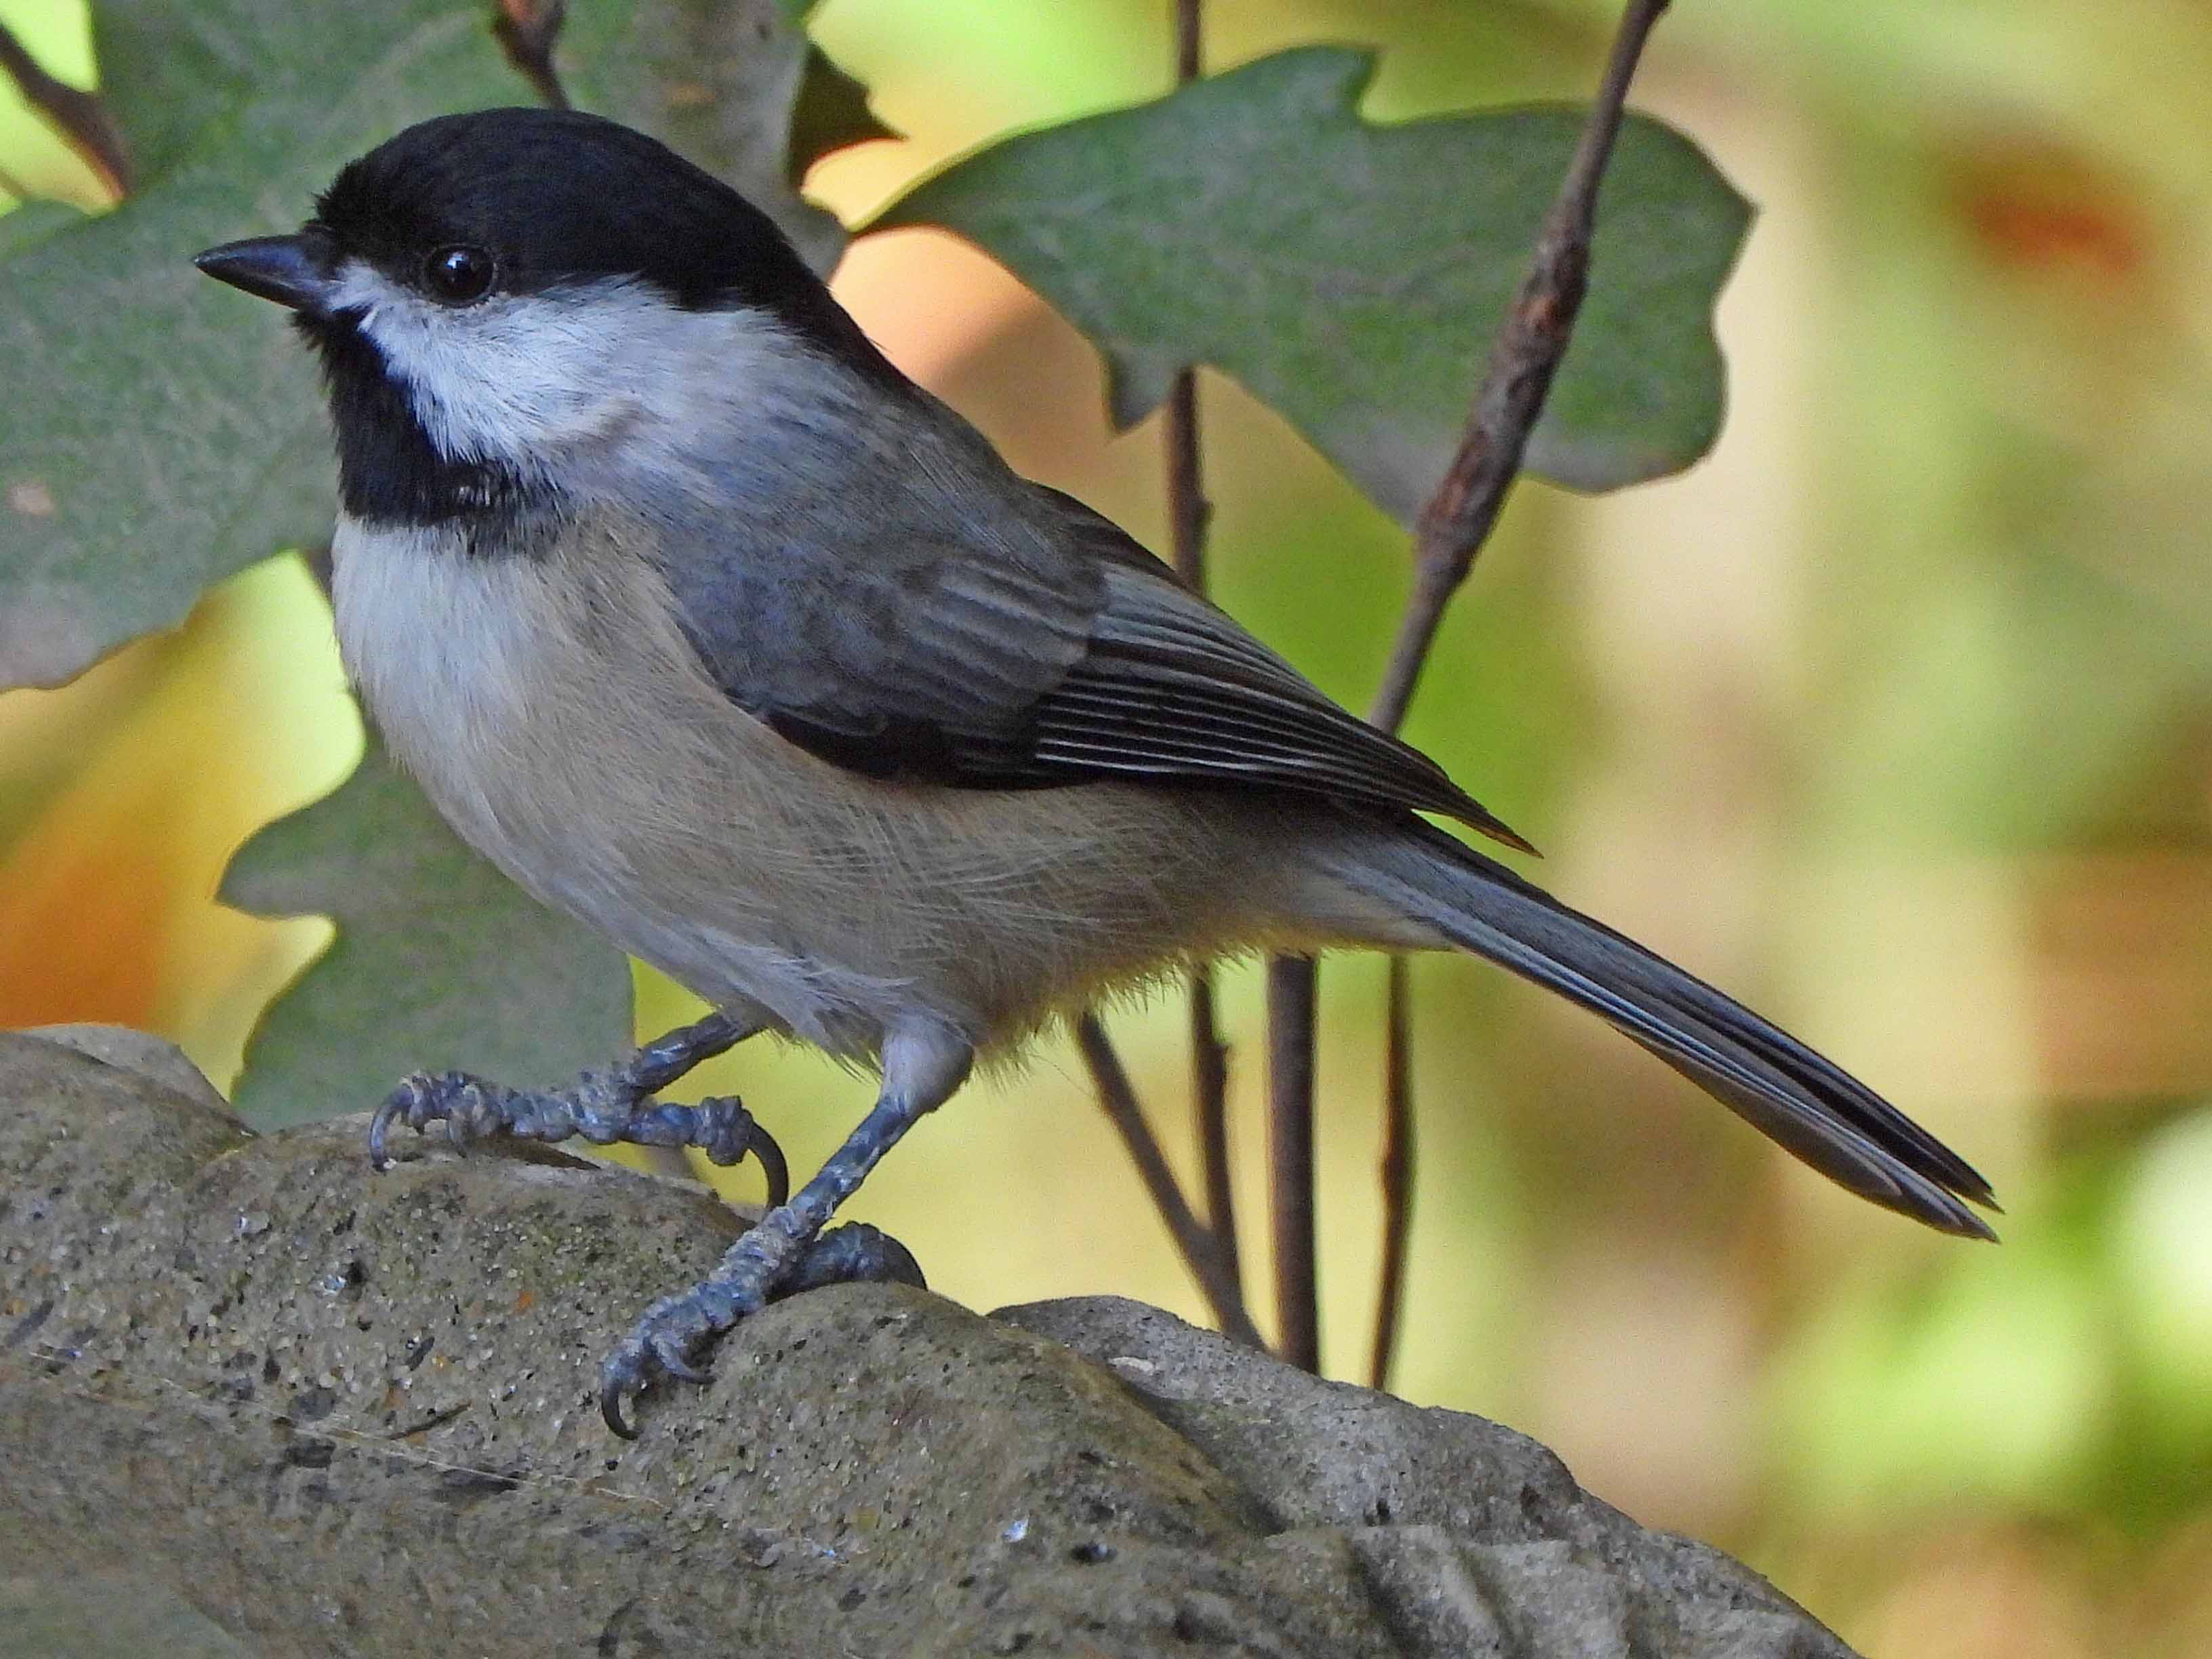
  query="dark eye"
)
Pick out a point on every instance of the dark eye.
point(459, 275)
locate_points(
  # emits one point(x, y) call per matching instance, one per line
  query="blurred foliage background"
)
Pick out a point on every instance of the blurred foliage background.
point(1894, 716)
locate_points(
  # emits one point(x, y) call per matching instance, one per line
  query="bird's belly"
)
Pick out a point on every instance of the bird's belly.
point(564, 730)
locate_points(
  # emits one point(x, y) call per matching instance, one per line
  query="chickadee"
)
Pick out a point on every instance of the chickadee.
point(704, 624)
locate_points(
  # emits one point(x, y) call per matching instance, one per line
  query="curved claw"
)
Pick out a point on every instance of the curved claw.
point(415, 1102)
point(630, 1369)
point(727, 1132)
point(614, 1391)
point(379, 1159)
point(624, 1372)
point(774, 1170)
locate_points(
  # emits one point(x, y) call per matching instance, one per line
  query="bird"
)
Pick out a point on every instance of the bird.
point(707, 625)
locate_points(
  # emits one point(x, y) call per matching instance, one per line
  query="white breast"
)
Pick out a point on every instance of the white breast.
point(438, 646)
point(557, 719)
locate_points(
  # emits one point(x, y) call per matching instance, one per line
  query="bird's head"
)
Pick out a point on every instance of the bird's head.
point(489, 290)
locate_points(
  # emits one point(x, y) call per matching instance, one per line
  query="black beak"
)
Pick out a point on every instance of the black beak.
point(286, 269)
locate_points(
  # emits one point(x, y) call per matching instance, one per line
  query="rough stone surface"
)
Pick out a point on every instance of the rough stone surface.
point(352, 1414)
point(153, 1058)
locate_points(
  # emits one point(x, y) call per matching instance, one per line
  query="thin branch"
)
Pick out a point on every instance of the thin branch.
point(1196, 1242)
point(1457, 522)
point(1188, 510)
point(1292, 983)
point(1187, 41)
point(82, 118)
point(1188, 514)
point(1293, 989)
point(1458, 518)
point(1397, 1175)
point(1209, 1082)
point(526, 30)
point(1209, 1246)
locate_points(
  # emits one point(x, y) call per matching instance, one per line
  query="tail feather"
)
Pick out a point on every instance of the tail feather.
point(1807, 1104)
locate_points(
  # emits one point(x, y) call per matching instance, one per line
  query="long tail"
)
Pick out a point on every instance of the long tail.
point(1805, 1103)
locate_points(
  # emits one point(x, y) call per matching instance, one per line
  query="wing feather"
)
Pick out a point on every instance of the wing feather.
point(1065, 656)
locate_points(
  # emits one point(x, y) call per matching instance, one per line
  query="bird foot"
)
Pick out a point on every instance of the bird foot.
point(603, 1107)
point(774, 1260)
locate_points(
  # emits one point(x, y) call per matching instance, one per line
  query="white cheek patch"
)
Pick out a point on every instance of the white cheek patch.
point(605, 385)
point(505, 378)
point(514, 376)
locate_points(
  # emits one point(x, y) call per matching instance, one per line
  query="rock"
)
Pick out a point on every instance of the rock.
point(103, 1615)
point(342, 1413)
point(151, 1057)
point(1468, 1530)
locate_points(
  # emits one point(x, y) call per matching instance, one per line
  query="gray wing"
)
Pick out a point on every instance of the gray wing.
point(1064, 655)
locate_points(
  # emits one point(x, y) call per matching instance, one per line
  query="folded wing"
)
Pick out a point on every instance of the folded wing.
point(1070, 657)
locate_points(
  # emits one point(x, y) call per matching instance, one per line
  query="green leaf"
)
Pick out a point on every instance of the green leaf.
point(179, 436)
point(1352, 275)
point(441, 962)
point(33, 222)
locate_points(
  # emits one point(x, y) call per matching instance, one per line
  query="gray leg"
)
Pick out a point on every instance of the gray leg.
point(785, 1250)
point(604, 1107)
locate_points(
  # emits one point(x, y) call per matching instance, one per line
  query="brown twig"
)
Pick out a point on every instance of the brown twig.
point(82, 118)
point(1188, 514)
point(527, 31)
point(1397, 1175)
point(1188, 511)
point(1292, 983)
point(1188, 45)
point(1293, 990)
point(1209, 1082)
point(1195, 1240)
point(1210, 1247)
point(1457, 520)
